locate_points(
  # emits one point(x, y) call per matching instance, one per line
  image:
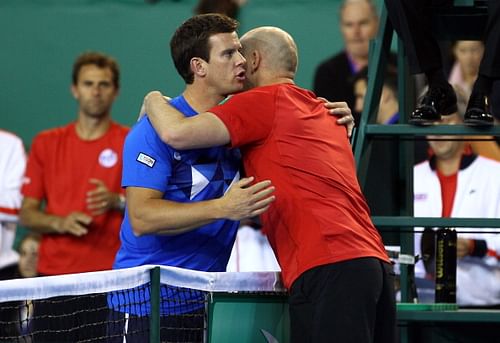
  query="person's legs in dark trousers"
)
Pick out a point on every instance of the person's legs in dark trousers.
point(342, 303)
point(411, 20)
point(478, 109)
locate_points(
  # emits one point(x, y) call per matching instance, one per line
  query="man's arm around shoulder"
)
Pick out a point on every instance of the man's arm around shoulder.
point(180, 132)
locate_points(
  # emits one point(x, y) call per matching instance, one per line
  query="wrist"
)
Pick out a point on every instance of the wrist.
point(120, 202)
point(56, 224)
point(218, 209)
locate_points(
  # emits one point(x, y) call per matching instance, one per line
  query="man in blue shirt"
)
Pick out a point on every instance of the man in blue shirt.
point(183, 206)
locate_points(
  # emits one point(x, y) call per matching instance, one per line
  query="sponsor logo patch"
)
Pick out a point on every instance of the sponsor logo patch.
point(145, 159)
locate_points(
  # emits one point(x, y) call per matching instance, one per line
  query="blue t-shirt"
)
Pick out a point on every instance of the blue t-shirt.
point(182, 176)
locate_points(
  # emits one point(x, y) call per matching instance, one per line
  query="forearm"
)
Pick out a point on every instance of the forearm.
point(150, 213)
point(38, 221)
point(167, 217)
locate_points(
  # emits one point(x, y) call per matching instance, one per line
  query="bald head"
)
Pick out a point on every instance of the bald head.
point(277, 49)
point(372, 10)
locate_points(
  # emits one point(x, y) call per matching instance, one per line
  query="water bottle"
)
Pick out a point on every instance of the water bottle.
point(446, 266)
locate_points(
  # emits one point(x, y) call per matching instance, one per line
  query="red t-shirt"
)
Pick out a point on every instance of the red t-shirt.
point(60, 165)
point(320, 215)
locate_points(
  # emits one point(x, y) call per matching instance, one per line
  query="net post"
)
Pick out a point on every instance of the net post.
point(154, 329)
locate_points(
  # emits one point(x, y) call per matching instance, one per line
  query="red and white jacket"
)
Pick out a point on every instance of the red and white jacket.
point(477, 196)
point(12, 166)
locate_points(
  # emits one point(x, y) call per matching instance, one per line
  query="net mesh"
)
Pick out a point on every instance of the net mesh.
point(118, 306)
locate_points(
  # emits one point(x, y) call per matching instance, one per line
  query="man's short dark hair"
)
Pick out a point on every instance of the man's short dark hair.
point(101, 61)
point(191, 40)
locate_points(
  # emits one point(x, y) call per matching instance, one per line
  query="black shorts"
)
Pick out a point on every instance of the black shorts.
point(351, 301)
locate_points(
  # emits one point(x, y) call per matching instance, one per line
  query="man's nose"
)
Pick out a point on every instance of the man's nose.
point(241, 59)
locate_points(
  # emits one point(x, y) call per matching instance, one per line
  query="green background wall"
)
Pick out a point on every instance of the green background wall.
point(41, 38)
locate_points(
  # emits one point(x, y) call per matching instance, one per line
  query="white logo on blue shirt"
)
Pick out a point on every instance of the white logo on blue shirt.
point(145, 159)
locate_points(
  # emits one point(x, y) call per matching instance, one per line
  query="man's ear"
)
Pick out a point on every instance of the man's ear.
point(255, 61)
point(198, 66)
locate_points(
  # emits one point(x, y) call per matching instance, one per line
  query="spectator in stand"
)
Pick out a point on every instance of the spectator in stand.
point(16, 317)
point(28, 255)
point(454, 182)
point(464, 72)
point(333, 77)
point(381, 186)
point(12, 165)
point(388, 112)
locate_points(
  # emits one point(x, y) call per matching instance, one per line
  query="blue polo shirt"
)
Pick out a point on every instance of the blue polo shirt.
point(182, 176)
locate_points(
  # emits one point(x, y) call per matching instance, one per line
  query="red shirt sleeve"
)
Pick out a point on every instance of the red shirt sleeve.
point(247, 116)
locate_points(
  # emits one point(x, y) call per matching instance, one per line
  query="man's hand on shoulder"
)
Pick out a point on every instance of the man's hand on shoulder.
point(153, 95)
point(343, 112)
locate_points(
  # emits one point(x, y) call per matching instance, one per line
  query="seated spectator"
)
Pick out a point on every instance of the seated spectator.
point(333, 77)
point(388, 112)
point(381, 187)
point(15, 317)
point(463, 74)
point(28, 255)
point(455, 182)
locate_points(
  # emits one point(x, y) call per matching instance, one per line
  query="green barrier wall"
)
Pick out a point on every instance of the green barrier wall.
point(41, 38)
point(248, 318)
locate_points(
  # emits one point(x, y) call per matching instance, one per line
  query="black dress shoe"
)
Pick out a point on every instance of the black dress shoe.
point(478, 112)
point(436, 102)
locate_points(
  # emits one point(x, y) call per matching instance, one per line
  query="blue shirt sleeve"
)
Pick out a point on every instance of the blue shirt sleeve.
point(146, 159)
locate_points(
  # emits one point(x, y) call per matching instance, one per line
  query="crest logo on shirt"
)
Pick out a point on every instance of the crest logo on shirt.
point(145, 159)
point(108, 158)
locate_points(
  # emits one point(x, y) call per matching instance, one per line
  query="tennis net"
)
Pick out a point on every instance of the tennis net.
point(142, 304)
